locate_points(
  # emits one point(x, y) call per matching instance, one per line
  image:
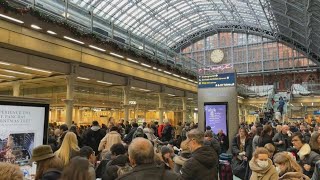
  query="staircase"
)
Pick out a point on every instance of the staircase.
point(286, 98)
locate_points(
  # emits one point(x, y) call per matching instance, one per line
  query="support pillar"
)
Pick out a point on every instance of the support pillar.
point(16, 88)
point(184, 109)
point(69, 99)
point(161, 108)
point(126, 102)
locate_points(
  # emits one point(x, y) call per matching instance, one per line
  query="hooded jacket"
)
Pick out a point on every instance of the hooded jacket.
point(201, 166)
point(294, 176)
point(306, 156)
point(110, 139)
point(258, 173)
point(93, 137)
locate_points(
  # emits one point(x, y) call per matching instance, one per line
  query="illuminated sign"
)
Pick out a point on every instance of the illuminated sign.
point(217, 80)
point(132, 102)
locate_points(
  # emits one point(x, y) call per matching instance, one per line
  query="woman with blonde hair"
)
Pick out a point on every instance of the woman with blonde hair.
point(10, 171)
point(69, 148)
point(262, 166)
point(288, 168)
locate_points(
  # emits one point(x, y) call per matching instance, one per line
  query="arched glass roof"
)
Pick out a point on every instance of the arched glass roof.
point(170, 21)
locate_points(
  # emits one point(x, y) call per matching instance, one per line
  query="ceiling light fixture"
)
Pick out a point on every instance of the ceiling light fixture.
point(35, 69)
point(117, 55)
point(184, 78)
point(97, 48)
point(4, 63)
point(17, 72)
point(159, 69)
point(175, 75)
point(83, 78)
point(11, 19)
point(51, 32)
point(2, 75)
point(104, 82)
point(35, 27)
point(171, 95)
point(301, 104)
point(167, 72)
point(154, 68)
point(312, 104)
point(131, 60)
point(74, 40)
point(146, 65)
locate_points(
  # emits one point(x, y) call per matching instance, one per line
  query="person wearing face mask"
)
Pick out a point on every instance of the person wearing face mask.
point(261, 166)
point(288, 168)
point(306, 157)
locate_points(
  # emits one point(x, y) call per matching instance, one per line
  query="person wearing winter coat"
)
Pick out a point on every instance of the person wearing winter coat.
point(261, 166)
point(242, 145)
point(223, 140)
point(203, 163)
point(93, 136)
point(265, 137)
point(316, 173)
point(149, 132)
point(282, 140)
point(288, 168)
point(306, 158)
point(184, 155)
point(111, 138)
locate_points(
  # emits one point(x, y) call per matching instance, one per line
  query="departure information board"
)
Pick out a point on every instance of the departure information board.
point(217, 80)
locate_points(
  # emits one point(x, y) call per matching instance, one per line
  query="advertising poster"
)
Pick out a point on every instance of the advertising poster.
point(22, 127)
point(216, 117)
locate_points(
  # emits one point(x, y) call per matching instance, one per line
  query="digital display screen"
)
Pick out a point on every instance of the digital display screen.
point(216, 116)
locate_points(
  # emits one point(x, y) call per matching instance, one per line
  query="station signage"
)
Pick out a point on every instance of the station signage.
point(132, 102)
point(217, 80)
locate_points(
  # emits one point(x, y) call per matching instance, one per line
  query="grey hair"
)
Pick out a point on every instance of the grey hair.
point(141, 151)
point(197, 135)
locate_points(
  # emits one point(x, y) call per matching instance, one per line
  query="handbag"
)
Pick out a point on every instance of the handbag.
point(239, 168)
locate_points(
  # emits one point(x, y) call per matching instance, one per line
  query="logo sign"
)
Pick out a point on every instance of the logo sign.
point(217, 80)
point(132, 102)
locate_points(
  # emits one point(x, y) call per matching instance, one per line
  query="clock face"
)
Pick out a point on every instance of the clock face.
point(217, 56)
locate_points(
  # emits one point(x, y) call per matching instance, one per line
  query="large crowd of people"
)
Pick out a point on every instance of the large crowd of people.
point(125, 151)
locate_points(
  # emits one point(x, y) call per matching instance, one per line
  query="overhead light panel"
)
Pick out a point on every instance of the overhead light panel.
point(97, 48)
point(240, 97)
point(117, 55)
point(171, 95)
point(312, 104)
point(7, 76)
point(4, 63)
point(154, 68)
point(159, 69)
point(184, 78)
point(301, 104)
point(11, 19)
point(83, 78)
point(131, 60)
point(190, 98)
point(175, 75)
point(74, 40)
point(167, 72)
point(35, 27)
point(51, 32)
point(40, 70)
point(104, 82)
point(17, 72)
point(144, 90)
point(145, 65)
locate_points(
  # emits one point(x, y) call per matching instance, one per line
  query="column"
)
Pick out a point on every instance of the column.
point(192, 115)
point(184, 109)
point(126, 102)
point(16, 88)
point(69, 99)
point(161, 108)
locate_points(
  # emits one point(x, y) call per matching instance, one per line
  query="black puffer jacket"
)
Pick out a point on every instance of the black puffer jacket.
point(113, 166)
point(201, 166)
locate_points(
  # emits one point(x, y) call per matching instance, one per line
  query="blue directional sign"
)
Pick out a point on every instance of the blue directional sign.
point(217, 80)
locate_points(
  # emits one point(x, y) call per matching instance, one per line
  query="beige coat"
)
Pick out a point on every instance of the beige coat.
point(258, 173)
point(294, 176)
point(110, 139)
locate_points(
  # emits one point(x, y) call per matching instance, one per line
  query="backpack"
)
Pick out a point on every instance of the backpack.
point(138, 133)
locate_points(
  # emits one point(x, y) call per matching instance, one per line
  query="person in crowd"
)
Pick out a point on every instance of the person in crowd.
point(167, 132)
point(10, 171)
point(93, 136)
point(315, 142)
point(185, 130)
point(74, 129)
point(184, 155)
point(210, 141)
point(63, 128)
point(118, 161)
point(111, 138)
point(141, 157)
point(305, 132)
point(316, 173)
point(282, 140)
point(77, 169)
point(166, 153)
point(253, 131)
point(69, 148)
point(266, 136)
point(49, 166)
point(203, 162)
point(127, 127)
point(306, 158)
point(288, 168)
point(154, 126)
point(223, 140)
point(242, 145)
point(278, 128)
point(149, 132)
point(52, 140)
point(261, 166)
point(178, 130)
point(271, 149)
point(88, 153)
point(208, 129)
point(129, 136)
point(255, 141)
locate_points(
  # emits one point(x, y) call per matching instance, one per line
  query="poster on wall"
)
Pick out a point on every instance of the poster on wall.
point(23, 126)
point(216, 116)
